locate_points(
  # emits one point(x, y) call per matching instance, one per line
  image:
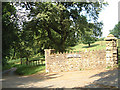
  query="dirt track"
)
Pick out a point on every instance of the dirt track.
point(77, 79)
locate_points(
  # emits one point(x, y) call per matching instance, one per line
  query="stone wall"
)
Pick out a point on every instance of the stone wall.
point(81, 60)
point(75, 61)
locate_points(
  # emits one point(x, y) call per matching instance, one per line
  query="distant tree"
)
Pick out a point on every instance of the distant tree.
point(116, 30)
point(90, 36)
point(89, 40)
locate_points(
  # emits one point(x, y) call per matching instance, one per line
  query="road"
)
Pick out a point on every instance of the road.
point(77, 79)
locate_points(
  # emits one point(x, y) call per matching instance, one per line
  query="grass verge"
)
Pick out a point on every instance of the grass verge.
point(28, 70)
point(9, 66)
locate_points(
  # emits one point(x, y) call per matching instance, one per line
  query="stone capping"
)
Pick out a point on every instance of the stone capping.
point(52, 51)
point(110, 37)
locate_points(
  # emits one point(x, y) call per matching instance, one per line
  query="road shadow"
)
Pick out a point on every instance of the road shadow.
point(90, 46)
point(17, 81)
point(108, 79)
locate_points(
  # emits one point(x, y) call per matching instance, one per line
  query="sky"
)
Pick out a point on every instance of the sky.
point(109, 16)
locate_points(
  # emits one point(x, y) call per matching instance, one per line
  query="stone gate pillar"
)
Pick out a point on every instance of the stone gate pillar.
point(47, 53)
point(111, 50)
point(47, 58)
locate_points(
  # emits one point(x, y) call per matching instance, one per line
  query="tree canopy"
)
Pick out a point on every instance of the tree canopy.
point(116, 30)
point(9, 28)
point(57, 25)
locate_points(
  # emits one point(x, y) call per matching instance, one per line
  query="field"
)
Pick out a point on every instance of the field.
point(95, 46)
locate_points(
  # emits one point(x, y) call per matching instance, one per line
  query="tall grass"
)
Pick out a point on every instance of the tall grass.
point(28, 70)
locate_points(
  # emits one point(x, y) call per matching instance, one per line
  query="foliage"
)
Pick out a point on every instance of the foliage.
point(88, 40)
point(9, 29)
point(23, 49)
point(61, 24)
point(55, 25)
point(10, 64)
point(116, 30)
point(90, 36)
point(14, 44)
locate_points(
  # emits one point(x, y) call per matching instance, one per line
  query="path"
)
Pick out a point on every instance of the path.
point(77, 79)
point(9, 72)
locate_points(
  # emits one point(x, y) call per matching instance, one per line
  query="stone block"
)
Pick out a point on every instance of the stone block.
point(109, 55)
point(115, 55)
point(109, 48)
point(115, 51)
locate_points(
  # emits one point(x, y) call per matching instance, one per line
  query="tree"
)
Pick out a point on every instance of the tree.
point(88, 40)
point(9, 29)
point(60, 24)
point(91, 36)
point(22, 49)
point(51, 25)
point(116, 30)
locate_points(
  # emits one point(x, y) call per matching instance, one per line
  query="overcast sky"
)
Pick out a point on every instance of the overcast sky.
point(109, 16)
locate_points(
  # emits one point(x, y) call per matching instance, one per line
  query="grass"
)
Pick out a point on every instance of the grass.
point(10, 65)
point(95, 46)
point(31, 69)
point(28, 70)
point(25, 69)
